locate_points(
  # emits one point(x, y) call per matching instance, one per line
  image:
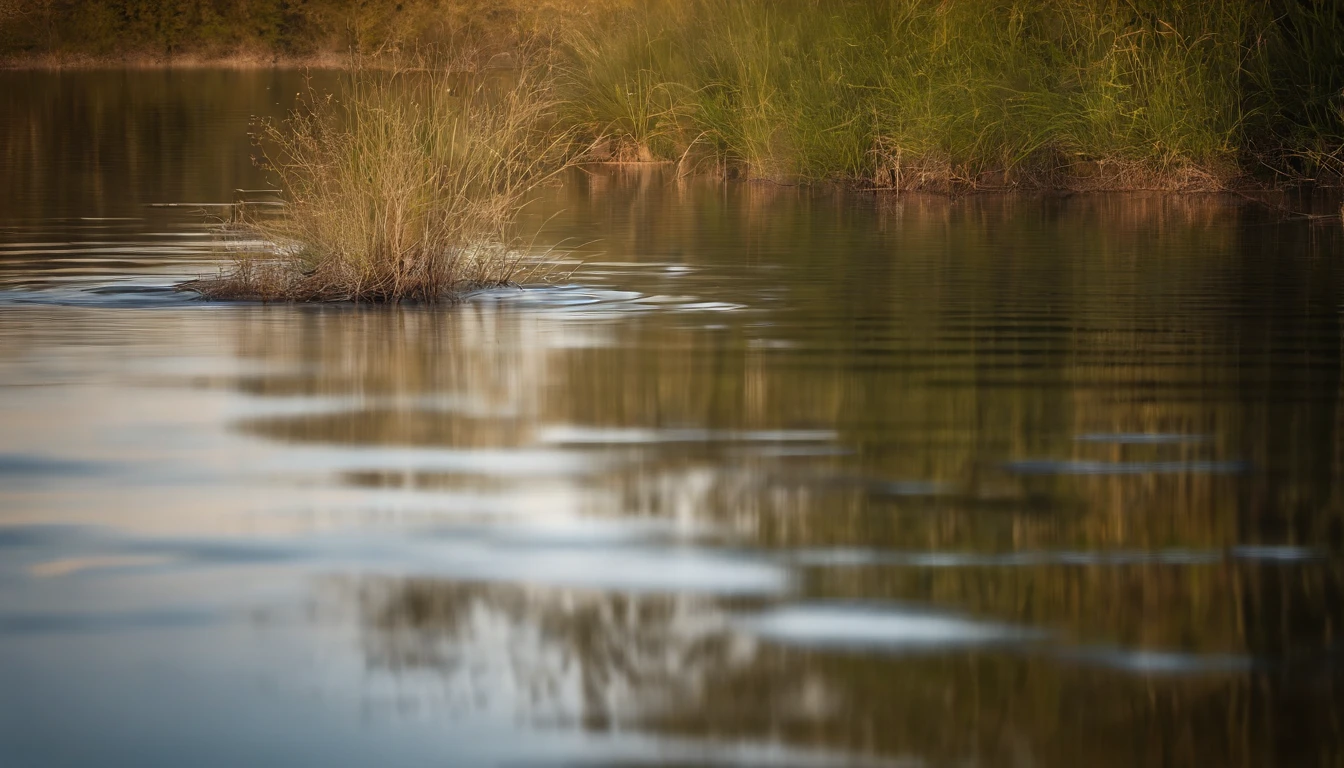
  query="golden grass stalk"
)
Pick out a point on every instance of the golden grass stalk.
point(406, 184)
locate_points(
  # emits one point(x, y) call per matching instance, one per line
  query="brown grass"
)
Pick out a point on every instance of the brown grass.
point(404, 185)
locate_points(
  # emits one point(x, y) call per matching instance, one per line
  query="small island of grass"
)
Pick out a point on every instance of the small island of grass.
point(404, 185)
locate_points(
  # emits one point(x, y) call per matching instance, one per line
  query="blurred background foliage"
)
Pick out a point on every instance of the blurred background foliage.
point(903, 94)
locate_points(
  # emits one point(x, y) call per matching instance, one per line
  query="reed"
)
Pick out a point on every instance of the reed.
point(406, 184)
point(901, 94)
point(970, 94)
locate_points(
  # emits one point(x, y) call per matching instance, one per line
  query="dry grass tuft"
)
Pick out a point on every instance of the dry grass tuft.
point(403, 186)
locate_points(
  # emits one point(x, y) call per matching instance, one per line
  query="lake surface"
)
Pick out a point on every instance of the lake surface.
point(759, 475)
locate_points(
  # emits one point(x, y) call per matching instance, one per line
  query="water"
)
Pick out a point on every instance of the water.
point(776, 476)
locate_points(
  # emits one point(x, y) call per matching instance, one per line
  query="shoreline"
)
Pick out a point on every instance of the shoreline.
point(237, 60)
point(1084, 177)
point(1062, 184)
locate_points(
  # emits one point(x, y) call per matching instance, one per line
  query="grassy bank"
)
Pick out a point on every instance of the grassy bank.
point(898, 94)
point(406, 184)
point(979, 94)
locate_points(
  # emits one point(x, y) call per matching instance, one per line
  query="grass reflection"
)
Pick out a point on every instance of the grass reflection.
point(677, 667)
point(926, 349)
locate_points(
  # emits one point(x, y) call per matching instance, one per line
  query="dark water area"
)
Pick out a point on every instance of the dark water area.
point(758, 475)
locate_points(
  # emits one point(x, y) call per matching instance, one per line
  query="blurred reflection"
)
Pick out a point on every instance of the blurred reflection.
point(603, 660)
point(102, 143)
point(997, 481)
point(680, 668)
point(1085, 380)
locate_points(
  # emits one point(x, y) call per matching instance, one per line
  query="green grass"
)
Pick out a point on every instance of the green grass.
point(943, 94)
point(967, 93)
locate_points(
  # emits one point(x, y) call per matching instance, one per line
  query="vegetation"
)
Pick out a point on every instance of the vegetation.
point(403, 186)
point(900, 94)
point(406, 184)
point(911, 94)
point(70, 31)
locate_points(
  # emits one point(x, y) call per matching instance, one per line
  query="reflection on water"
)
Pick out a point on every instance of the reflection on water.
point(779, 476)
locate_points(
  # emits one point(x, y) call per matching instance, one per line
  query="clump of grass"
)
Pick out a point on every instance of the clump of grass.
point(619, 89)
point(404, 185)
